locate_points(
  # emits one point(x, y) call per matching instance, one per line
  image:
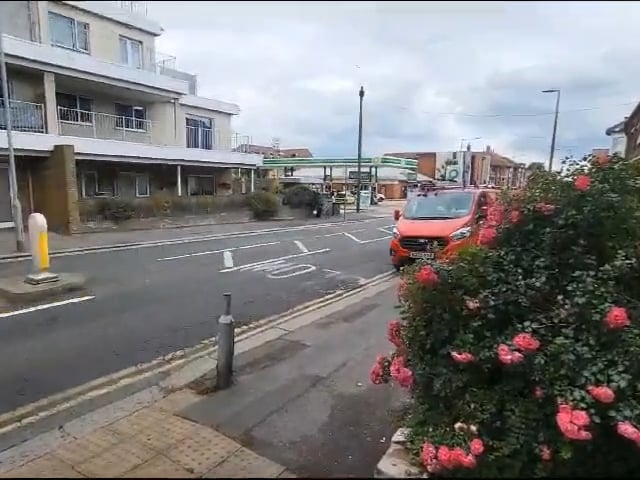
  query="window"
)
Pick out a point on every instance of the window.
point(131, 117)
point(200, 185)
point(130, 52)
point(142, 185)
point(74, 108)
point(68, 32)
point(89, 184)
point(199, 133)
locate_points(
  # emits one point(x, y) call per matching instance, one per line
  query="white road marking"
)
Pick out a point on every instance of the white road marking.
point(346, 234)
point(46, 305)
point(388, 230)
point(191, 239)
point(264, 262)
point(228, 259)
point(302, 248)
point(293, 269)
point(328, 270)
point(329, 235)
point(209, 252)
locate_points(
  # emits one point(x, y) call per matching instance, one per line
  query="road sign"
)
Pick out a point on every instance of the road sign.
point(364, 176)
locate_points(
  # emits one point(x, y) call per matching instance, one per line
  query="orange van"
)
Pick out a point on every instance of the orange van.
point(436, 224)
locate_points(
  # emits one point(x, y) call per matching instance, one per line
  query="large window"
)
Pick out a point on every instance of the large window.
point(131, 117)
point(200, 133)
point(68, 32)
point(130, 52)
point(133, 185)
point(200, 185)
point(74, 108)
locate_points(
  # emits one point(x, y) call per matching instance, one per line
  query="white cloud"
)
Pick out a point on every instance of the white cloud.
point(295, 70)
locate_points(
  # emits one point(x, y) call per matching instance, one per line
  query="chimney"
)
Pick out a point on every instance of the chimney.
point(488, 149)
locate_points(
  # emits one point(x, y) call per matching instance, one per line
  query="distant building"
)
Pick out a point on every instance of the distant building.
point(618, 138)
point(632, 133)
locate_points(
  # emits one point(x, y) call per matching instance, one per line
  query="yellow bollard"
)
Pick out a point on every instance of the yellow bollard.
point(39, 242)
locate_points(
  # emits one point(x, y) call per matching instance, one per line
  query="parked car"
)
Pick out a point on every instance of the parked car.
point(380, 197)
point(345, 197)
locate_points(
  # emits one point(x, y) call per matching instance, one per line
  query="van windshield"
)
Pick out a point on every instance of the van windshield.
point(444, 205)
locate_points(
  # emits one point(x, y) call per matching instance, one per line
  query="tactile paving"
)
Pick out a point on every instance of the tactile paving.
point(246, 464)
point(202, 450)
point(116, 461)
point(159, 467)
point(82, 449)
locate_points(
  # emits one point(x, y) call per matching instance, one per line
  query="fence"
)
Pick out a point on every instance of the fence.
point(81, 123)
point(212, 139)
point(25, 116)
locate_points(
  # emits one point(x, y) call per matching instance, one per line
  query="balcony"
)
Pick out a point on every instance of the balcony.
point(80, 123)
point(212, 139)
point(146, 77)
point(25, 116)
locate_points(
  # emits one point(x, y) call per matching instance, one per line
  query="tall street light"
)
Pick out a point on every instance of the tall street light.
point(16, 210)
point(463, 159)
point(361, 94)
point(555, 125)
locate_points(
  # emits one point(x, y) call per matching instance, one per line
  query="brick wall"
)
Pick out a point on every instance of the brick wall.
point(55, 190)
point(632, 131)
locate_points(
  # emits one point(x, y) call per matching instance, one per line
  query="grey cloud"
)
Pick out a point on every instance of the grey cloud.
point(295, 69)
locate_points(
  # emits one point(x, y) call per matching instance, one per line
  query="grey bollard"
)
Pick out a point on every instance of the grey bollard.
point(226, 340)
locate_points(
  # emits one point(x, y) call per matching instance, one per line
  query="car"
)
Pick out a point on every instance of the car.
point(345, 197)
point(437, 224)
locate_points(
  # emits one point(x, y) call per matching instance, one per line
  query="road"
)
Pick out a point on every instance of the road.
point(147, 302)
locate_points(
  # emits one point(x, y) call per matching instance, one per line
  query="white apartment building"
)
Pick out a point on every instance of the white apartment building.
point(97, 111)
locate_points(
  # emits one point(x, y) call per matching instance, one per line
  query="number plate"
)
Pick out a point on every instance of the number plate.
point(422, 255)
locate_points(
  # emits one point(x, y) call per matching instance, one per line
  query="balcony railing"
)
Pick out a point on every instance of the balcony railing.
point(139, 7)
point(25, 116)
point(211, 139)
point(81, 123)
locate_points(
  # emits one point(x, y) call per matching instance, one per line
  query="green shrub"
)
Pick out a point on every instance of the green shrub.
point(523, 356)
point(300, 196)
point(263, 205)
point(115, 209)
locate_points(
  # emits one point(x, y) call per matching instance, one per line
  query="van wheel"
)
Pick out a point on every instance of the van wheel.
point(397, 268)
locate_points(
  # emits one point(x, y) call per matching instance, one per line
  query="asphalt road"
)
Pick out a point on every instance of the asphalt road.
point(152, 301)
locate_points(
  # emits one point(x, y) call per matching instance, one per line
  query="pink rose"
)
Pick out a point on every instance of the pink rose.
point(476, 446)
point(427, 276)
point(628, 430)
point(526, 342)
point(617, 318)
point(495, 216)
point(582, 182)
point(572, 422)
point(507, 356)
point(400, 373)
point(602, 393)
point(376, 374)
point(545, 453)
point(445, 457)
point(394, 333)
point(487, 235)
point(462, 357)
point(472, 304)
point(427, 454)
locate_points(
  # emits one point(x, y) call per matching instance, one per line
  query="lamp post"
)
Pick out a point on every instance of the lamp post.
point(463, 159)
point(16, 209)
point(555, 125)
point(361, 94)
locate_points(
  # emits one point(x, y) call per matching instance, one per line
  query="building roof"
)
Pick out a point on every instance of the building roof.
point(617, 128)
point(500, 161)
point(271, 152)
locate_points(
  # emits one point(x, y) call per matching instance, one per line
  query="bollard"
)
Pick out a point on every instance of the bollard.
point(39, 242)
point(226, 341)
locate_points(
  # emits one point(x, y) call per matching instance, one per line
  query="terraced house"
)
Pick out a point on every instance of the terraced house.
point(97, 111)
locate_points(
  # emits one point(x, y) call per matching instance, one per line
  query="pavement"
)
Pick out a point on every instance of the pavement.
point(301, 405)
point(147, 301)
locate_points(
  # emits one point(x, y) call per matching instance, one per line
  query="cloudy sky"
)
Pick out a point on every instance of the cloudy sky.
point(434, 72)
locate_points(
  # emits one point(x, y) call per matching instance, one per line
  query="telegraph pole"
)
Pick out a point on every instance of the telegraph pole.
point(361, 94)
point(16, 209)
point(555, 125)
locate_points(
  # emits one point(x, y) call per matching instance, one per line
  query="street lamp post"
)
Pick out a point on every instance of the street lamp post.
point(361, 94)
point(555, 125)
point(16, 209)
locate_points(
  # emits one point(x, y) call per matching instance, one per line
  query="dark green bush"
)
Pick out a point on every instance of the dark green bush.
point(300, 196)
point(263, 205)
point(115, 209)
point(530, 348)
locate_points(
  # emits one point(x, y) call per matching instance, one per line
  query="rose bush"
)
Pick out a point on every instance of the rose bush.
point(523, 354)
